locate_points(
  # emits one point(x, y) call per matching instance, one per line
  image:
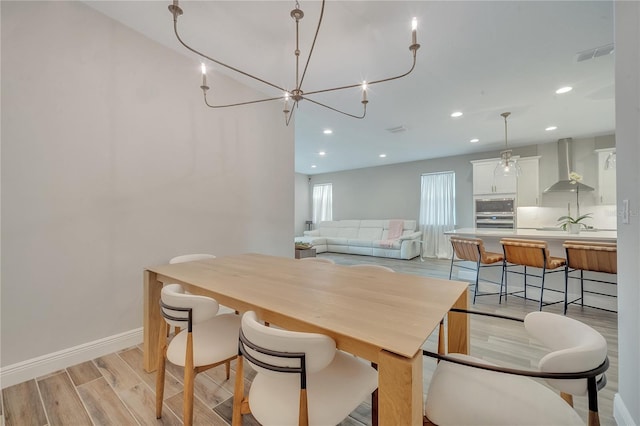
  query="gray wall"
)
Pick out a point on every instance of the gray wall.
point(388, 192)
point(110, 162)
point(302, 204)
point(627, 41)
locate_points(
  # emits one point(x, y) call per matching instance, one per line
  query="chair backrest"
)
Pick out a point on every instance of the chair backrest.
point(173, 296)
point(592, 256)
point(318, 259)
point(191, 257)
point(575, 347)
point(371, 267)
point(525, 252)
point(319, 349)
point(467, 248)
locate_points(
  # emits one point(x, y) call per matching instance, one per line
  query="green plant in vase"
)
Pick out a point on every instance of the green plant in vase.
point(569, 221)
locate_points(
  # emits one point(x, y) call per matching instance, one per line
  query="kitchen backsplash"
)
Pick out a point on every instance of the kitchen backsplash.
point(603, 217)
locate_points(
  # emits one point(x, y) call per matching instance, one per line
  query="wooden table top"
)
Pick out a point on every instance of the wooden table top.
point(363, 311)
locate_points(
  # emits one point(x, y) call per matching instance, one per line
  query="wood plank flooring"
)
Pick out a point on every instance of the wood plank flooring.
point(115, 390)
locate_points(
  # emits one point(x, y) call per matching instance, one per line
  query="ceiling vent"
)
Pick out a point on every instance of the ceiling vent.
point(397, 129)
point(585, 55)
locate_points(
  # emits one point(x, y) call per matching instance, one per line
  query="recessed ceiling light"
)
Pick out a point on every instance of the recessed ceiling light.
point(474, 140)
point(327, 131)
point(382, 155)
point(313, 166)
point(456, 114)
point(564, 90)
point(321, 153)
point(550, 128)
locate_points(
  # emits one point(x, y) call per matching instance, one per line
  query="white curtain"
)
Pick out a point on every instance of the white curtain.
point(437, 213)
point(322, 203)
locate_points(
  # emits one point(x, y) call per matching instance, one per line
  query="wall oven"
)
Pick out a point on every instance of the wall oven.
point(495, 213)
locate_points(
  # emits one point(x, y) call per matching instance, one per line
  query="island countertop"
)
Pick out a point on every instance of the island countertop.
point(537, 234)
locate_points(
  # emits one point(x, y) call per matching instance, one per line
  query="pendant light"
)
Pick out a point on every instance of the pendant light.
point(507, 166)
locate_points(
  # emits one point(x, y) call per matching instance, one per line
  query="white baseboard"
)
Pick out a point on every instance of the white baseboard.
point(36, 367)
point(620, 412)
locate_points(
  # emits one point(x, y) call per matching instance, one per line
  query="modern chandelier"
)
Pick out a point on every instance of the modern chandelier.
point(292, 97)
point(507, 166)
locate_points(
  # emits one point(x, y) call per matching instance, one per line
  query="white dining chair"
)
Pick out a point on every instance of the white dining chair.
point(300, 377)
point(209, 340)
point(467, 390)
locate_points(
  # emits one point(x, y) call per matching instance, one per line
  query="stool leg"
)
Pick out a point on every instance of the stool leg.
point(451, 267)
point(581, 288)
point(544, 270)
point(566, 288)
point(525, 282)
point(475, 292)
point(503, 280)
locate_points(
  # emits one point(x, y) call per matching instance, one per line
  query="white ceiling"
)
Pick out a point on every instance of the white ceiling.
point(478, 57)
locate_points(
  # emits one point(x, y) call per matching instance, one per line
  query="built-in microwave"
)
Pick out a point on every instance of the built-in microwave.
point(495, 213)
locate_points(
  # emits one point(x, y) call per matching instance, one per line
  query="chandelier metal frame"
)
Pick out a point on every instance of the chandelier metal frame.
point(291, 97)
point(507, 165)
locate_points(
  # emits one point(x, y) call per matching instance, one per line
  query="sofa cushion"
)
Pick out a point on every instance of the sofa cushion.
point(348, 232)
point(360, 243)
point(387, 244)
point(369, 233)
point(336, 241)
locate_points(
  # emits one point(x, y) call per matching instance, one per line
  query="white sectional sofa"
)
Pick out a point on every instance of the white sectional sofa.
point(364, 237)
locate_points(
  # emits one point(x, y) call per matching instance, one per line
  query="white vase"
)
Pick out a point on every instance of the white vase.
point(573, 228)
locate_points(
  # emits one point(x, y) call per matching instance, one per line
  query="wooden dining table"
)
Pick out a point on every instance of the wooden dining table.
point(383, 317)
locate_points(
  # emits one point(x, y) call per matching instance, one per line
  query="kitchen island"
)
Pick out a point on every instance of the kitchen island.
point(554, 237)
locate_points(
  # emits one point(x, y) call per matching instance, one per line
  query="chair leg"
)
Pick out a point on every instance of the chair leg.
point(303, 419)
point(238, 392)
point(374, 402)
point(162, 357)
point(227, 366)
point(567, 397)
point(592, 393)
point(189, 377)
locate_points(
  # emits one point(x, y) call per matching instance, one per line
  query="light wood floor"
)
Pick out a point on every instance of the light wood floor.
point(115, 390)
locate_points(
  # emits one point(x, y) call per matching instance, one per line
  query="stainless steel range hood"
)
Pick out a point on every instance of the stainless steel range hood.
point(566, 166)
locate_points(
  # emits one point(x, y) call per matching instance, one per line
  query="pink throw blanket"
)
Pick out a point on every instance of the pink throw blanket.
point(395, 232)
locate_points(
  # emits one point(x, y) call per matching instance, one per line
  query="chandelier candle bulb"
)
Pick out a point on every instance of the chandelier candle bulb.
point(364, 91)
point(414, 30)
point(204, 74)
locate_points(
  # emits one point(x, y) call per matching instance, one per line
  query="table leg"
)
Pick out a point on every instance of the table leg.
point(151, 320)
point(399, 389)
point(458, 327)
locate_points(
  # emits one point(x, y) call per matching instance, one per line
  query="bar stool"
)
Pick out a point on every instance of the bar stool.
point(588, 256)
point(533, 253)
point(472, 250)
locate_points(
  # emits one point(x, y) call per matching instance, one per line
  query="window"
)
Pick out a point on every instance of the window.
point(437, 213)
point(322, 203)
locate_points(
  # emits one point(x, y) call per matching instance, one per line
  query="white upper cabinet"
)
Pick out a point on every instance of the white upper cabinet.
point(529, 182)
point(606, 177)
point(486, 183)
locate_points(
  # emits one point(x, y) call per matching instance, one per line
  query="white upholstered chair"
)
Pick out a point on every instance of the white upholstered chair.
point(465, 390)
point(207, 341)
point(371, 267)
point(318, 259)
point(301, 377)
